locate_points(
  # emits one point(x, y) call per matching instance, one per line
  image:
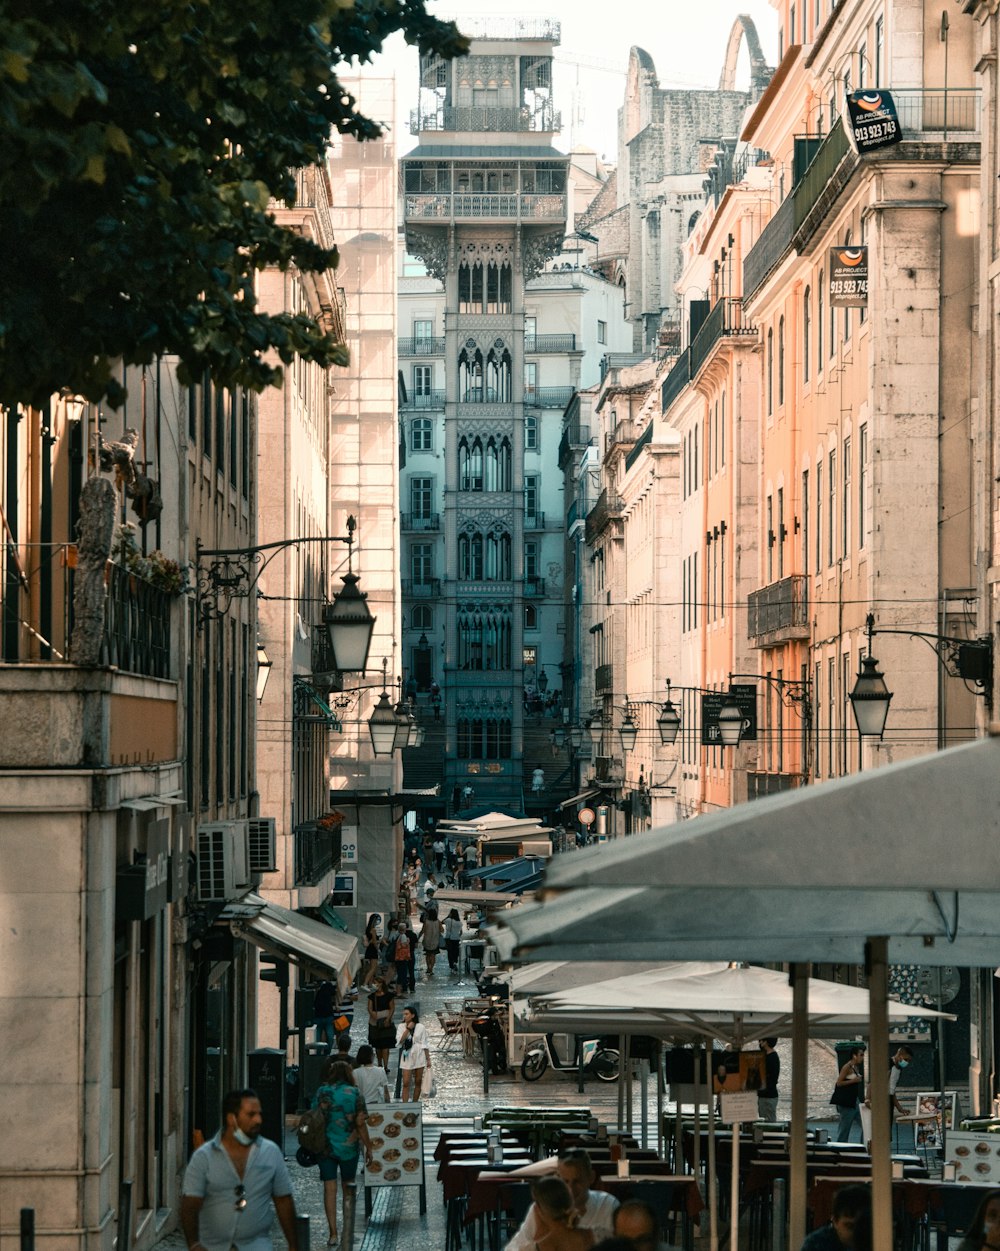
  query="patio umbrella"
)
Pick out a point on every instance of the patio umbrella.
point(902, 862)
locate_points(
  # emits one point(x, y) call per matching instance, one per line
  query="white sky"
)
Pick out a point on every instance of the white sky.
point(686, 40)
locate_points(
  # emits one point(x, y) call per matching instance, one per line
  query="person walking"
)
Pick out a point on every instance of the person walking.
point(346, 1131)
point(430, 939)
point(324, 1002)
point(381, 1031)
point(370, 1079)
point(847, 1092)
point(232, 1181)
point(438, 847)
point(372, 949)
point(453, 938)
point(767, 1096)
point(411, 1038)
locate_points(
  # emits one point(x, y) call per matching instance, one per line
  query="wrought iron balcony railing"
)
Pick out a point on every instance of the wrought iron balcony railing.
point(422, 345)
point(422, 588)
point(534, 343)
point(779, 612)
point(429, 399)
point(548, 397)
point(506, 206)
point(420, 521)
point(317, 852)
point(725, 320)
point(675, 381)
point(486, 119)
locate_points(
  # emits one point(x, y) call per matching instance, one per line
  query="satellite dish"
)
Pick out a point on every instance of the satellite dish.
point(939, 983)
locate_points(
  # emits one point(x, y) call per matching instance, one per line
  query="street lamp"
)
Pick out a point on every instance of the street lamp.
point(263, 671)
point(628, 731)
point(730, 722)
point(870, 699)
point(383, 724)
point(668, 722)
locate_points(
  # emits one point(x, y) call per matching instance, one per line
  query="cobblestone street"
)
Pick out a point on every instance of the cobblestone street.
point(396, 1221)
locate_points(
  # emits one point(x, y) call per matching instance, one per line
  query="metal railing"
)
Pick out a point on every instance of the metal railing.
point(534, 521)
point(771, 248)
point(420, 521)
point(37, 582)
point(421, 588)
point(490, 118)
point(512, 28)
point(548, 397)
point(607, 508)
point(429, 399)
point(475, 205)
point(779, 611)
point(423, 345)
point(549, 343)
point(933, 110)
point(534, 588)
point(675, 381)
point(724, 319)
point(317, 852)
point(604, 678)
point(642, 441)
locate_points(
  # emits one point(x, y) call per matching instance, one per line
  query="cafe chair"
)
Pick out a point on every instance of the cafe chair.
point(513, 1203)
point(451, 1030)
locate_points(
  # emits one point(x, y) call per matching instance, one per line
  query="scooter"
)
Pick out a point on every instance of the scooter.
point(599, 1061)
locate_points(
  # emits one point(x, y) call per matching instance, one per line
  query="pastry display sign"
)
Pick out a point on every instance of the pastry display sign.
point(397, 1136)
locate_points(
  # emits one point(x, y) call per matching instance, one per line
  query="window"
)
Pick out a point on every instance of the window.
point(422, 617)
point(531, 434)
point(421, 380)
point(862, 484)
point(770, 372)
point(831, 490)
point(791, 26)
point(484, 738)
point(819, 324)
point(602, 332)
point(769, 539)
point(817, 17)
point(781, 532)
point(806, 332)
point(879, 50)
point(847, 311)
point(805, 521)
point(421, 434)
point(531, 560)
point(530, 380)
point(845, 503)
point(862, 61)
point(530, 617)
point(819, 515)
point(470, 464)
point(470, 557)
point(781, 361)
point(421, 563)
point(423, 333)
point(531, 495)
point(696, 481)
point(421, 498)
point(722, 434)
point(530, 333)
point(484, 638)
point(497, 464)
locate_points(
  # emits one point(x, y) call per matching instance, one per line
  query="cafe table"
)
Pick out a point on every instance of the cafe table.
point(678, 1195)
point(456, 1174)
point(913, 1201)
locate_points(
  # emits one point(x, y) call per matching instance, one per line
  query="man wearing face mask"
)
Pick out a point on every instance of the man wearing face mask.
point(232, 1181)
point(897, 1064)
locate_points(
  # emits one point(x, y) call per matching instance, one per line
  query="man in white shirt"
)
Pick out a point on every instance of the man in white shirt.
point(596, 1209)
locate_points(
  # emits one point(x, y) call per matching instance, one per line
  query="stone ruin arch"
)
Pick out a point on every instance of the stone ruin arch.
point(760, 73)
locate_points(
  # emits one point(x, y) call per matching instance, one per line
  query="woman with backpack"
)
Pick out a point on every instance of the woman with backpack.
point(346, 1130)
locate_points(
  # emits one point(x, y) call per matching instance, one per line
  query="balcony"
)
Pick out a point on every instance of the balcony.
point(779, 612)
point(420, 521)
point(534, 588)
point(675, 381)
point(421, 588)
point(422, 346)
point(548, 397)
point(607, 509)
point(725, 320)
point(604, 677)
point(771, 248)
point(760, 785)
point(539, 343)
point(429, 399)
point(623, 434)
point(609, 771)
point(317, 852)
point(954, 114)
point(322, 667)
point(545, 120)
point(478, 206)
point(534, 521)
point(642, 441)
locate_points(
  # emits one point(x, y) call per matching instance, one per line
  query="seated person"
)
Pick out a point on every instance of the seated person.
point(594, 1210)
point(555, 1218)
point(850, 1222)
point(636, 1221)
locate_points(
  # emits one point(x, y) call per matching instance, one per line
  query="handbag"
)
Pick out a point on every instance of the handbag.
point(428, 1083)
point(844, 1097)
point(381, 1036)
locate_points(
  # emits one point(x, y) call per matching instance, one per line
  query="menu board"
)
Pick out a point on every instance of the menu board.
point(976, 1157)
point(397, 1135)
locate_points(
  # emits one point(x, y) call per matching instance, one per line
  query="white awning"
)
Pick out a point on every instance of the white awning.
point(299, 939)
point(578, 799)
point(489, 897)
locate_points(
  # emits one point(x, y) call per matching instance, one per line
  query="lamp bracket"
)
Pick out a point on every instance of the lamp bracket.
point(794, 693)
point(224, 574)
point(969, 659)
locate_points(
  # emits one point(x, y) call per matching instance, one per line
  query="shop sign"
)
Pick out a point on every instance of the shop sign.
point(848, 268)
point(745, 698)
point(143, 889)
point(873, 121)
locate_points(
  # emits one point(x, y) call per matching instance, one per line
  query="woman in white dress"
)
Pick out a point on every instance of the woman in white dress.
point(411, 1038)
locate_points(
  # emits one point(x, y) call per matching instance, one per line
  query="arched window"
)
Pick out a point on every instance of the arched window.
point(781, 361)
point(470, 288)
point(530, 433)
point(422, 617)
point(498, 464)
point(498, 550)
point(770, 372)
point(530, 617)
point(470, 556)
point(470, 376)
point(806, 332)
point(498, 376)
point(470, 464)
point(484, 738)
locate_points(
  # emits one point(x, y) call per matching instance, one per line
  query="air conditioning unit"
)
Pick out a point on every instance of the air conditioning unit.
point(262, 845)
point(223, 862)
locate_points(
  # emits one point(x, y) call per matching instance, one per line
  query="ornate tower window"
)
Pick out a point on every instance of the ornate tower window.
point(498, 464)
point(470, 376)
point(470, 464)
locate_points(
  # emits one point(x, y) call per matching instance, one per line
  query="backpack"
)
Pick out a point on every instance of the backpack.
point(402, 951)
point(311, 1129)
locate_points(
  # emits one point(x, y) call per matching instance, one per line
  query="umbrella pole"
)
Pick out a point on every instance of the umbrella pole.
point(797, 1138)
point(734, 1189)
point(713, 1189)
point(876, 953)
point(622, 1079)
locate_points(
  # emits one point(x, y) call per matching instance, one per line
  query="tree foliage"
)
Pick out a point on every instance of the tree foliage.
point(143, 141)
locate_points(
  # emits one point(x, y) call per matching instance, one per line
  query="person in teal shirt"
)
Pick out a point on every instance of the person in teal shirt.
point(346, 1132)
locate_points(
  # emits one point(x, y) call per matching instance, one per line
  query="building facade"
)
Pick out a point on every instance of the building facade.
point(493, 344)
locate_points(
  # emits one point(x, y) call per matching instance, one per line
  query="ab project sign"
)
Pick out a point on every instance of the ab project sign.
point(872, 121)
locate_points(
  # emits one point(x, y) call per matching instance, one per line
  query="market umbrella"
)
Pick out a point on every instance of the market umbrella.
point(796, 877)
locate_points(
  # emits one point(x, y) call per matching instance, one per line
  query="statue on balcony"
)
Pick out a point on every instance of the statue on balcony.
point(98, 505)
